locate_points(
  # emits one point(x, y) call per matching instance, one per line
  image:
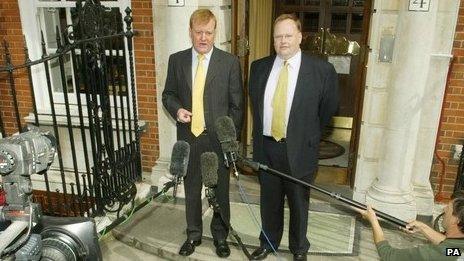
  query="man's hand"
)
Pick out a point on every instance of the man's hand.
point(184, 116)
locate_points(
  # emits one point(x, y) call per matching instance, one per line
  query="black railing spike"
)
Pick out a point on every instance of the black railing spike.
point(58, 37)
point(9, 65)
point(44, 49)
point(128, 19)
point(26, 50)
point(31, 82)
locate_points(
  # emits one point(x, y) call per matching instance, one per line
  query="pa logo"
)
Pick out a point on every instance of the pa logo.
point(453, 251)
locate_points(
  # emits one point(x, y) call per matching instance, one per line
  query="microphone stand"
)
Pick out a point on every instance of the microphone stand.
point(211, 195)
point(174, 190)
point(229, 160)
point(258, 166)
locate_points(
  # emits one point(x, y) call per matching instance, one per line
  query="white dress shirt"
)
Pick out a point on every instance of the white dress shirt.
point(195, 62)
point(293, 70)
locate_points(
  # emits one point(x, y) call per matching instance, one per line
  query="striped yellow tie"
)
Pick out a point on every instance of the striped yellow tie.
point(198, 117)
point(279, 105)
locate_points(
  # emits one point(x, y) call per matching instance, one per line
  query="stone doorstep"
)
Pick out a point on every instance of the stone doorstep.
point(143, 191)
point(168, 249)
point(159, 251)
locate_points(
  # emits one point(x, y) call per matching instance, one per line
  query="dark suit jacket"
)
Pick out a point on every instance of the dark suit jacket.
point(223, 94)
point(314, 103)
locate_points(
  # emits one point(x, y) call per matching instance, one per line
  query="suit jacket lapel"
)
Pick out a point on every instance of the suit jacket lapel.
point(303, 78)
point(213, 67)
point(262, 85)
point(187, 67)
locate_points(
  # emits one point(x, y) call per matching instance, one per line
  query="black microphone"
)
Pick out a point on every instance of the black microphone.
point(209, 169)
point(179, 162)
point(227, 137)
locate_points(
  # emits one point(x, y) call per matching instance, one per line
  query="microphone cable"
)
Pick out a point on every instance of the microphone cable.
point(128, 215)
point(254, 218)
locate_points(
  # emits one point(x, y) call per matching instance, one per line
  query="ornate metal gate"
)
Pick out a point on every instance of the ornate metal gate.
point(99, 119)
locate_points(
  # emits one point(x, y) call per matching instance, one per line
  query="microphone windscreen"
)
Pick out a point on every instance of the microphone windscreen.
point(231, 146)
point(209, 168)
point(226, 134)
point(179, 159)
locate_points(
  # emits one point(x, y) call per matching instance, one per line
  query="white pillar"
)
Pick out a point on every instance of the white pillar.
point(392, 189)
point(442, 44)
point(171, 33)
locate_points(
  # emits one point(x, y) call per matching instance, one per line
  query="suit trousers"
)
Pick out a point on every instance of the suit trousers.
point(273, 191)
point(193, 187)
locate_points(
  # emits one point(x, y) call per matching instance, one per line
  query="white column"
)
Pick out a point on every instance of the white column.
point(392, 189)
point(171, 33)
point(442, 44)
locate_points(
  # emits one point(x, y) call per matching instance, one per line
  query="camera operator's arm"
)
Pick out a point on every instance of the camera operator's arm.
point(370, 215)
point(434, 236)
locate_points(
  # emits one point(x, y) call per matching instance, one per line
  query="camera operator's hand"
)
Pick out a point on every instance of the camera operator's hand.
point(434, 236)
point(415, 226)
point(369, 214)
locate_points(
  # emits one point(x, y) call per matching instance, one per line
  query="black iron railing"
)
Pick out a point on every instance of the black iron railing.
point(102, 138)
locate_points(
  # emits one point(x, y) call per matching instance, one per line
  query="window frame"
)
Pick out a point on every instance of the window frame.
point(30, 14)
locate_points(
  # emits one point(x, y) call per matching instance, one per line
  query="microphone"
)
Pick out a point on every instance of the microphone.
point(227, 137)
point(209, 169)
point(179, 162)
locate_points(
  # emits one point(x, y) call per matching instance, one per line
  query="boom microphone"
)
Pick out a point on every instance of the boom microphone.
point(256, 166)
point(179, 162)
point(227, 137)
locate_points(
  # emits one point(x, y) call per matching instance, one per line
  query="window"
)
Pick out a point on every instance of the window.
point(48, 16)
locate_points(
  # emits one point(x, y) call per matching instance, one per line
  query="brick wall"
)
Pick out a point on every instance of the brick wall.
point(146, 81)
point(10, 30)
point(451, 131)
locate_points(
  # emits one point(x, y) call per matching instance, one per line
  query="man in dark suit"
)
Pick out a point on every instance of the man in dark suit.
point(203, 83)
point(293, 97)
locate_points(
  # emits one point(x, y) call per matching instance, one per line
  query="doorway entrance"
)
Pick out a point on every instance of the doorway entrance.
point(337, 30)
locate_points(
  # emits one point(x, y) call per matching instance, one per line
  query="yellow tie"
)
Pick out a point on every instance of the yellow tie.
point(279, 105)
point(198, 118)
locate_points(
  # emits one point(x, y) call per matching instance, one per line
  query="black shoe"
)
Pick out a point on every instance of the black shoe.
point(189, 247)
point(222, 248)
point(260, 253)
point(299, 257)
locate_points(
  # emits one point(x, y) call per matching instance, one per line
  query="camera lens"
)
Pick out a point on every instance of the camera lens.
point(59, 247)
point(7, 162)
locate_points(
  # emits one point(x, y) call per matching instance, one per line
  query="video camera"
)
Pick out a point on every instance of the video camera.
point(46, 238)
